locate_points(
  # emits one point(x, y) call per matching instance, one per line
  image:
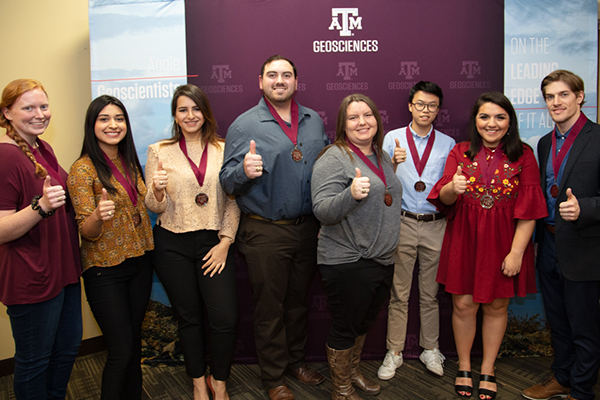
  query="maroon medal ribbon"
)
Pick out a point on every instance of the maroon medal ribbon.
point(200, 172)
point(557, 159)
point(420, 163)
point(487, 171)
point(124, 181)
point(377, 171)
point(47, 160)
point(291, 132)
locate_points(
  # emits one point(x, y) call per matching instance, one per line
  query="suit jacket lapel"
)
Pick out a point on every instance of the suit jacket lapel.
point(576, 150)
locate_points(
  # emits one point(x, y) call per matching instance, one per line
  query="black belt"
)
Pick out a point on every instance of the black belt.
point(423, 217)
point(280, 221)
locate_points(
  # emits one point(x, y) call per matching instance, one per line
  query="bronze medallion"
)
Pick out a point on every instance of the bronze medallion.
point(487, 201)
point(388, 199)
point(297, 155)
point(137, 219)
point(202, 199)
point(420, 186)
point(554, 190)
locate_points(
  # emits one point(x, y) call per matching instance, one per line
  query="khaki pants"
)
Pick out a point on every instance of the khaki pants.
point(422, 239)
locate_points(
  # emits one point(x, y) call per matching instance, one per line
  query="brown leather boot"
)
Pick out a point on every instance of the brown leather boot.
point(358, 379)
point(339, 369)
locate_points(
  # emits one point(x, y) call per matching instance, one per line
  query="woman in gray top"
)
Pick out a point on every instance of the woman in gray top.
point(357, 197)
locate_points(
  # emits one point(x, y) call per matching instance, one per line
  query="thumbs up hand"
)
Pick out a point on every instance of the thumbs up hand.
point(253, 165)
point(569, 210)
point(459, 182)
point(399, 154)
point(53, 197)
point(360, 186)
point(160, 179)
point(106, 208)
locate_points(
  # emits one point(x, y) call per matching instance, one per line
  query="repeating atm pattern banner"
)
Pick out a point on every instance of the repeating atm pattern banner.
point(380, 48)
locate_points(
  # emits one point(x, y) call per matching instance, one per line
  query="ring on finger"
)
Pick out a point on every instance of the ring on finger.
point(160, 182)
point(110, 213)
point(258, 168)
point(364, 190)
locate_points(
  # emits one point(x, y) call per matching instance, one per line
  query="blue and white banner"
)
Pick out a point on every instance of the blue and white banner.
point(138, 54)
point(541, 36)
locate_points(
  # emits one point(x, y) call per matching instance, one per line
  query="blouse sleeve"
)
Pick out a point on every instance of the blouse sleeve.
point(231, 218)
point(454, 160)
point(530, 203)
point(81, 189)
point(151, 166)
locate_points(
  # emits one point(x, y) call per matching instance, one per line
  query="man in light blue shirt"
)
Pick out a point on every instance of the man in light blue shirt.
point(419, 153)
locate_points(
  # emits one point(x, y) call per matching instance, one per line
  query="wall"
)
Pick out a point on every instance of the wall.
point(49, 41)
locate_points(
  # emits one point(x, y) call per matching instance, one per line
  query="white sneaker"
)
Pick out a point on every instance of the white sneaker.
point(433, 360)
point(388, 368)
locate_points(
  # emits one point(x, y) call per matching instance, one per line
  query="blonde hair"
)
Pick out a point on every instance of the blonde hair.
point(11, 94)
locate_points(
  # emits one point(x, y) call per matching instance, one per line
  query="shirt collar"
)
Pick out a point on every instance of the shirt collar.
point(415, 135)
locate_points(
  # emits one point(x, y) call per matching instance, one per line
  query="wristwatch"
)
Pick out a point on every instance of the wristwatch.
point(35, 204)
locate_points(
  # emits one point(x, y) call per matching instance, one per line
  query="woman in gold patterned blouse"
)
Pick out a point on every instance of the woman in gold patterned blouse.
point(196, 225)
point(107, 190)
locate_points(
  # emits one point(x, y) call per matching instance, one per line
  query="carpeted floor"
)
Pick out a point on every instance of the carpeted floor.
point(412, 381)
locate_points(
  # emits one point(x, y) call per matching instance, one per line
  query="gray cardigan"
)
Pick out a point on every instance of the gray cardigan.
point(354, 229)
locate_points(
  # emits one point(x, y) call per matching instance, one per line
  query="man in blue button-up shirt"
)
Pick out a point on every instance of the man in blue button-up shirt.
point(269, 154)
point(420, 154)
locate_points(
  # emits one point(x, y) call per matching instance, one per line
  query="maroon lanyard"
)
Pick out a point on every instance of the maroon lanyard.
point(45, 158)
point(200, 171)
point(557, 159)
point(487, 171)
point(291, 132)
point(419, 162)
point(124, 181)
point(361, 155)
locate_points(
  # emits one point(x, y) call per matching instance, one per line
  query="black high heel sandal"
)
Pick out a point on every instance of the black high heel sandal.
point(463, 388)
point(490, 394)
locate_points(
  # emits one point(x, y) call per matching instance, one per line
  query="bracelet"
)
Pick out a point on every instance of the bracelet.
point(35, 205)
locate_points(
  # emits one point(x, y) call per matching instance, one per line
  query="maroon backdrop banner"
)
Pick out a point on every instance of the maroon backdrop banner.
point(378, 47)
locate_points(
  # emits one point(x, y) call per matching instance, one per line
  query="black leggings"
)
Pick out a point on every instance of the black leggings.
point(177, 260)
point(118, 297)
point(355, 293)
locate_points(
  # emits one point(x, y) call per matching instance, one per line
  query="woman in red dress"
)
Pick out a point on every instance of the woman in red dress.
point(491, 194)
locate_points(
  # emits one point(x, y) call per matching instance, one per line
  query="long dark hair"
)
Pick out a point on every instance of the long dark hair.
point(340, 130)
point(209, 127)
point(511, 143)
point(126, 146)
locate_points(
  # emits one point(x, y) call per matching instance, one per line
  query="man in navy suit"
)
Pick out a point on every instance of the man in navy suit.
point(569, 240)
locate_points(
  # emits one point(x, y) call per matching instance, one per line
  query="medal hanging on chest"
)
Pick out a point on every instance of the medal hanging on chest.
point(290, 131)
point(420, 163)
point(487, 172)
point(127, 185)
point(199, 171)
point(387, 197)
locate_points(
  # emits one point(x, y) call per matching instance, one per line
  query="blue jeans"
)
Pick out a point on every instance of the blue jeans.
point(47, 338)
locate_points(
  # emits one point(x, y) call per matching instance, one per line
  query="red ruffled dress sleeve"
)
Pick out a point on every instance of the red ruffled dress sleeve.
point(530, 203)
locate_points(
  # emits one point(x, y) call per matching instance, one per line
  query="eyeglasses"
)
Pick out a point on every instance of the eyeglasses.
point(421, 106)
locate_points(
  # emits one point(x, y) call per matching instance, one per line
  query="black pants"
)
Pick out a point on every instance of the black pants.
point(118, 297)
point(177, 260)
point(282, 262)
point(573, 314)
point(355, 293)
